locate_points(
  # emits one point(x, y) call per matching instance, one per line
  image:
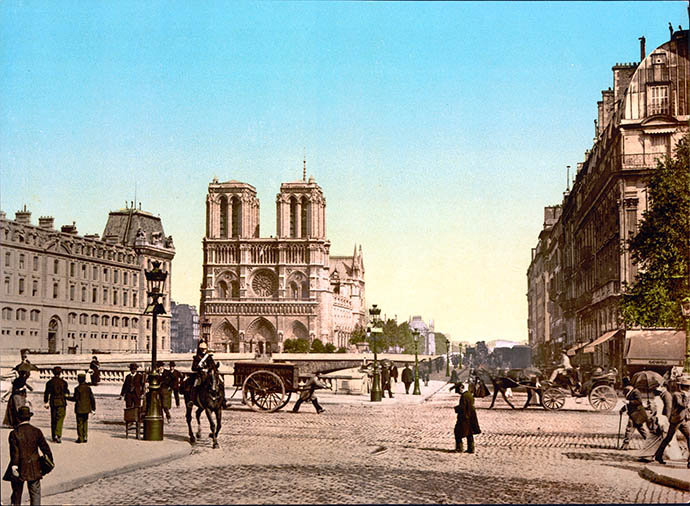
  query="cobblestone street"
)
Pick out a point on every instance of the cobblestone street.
point(385, 453)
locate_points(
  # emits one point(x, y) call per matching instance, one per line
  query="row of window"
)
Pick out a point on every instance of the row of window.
point(18, 332)
point(125, 278)
point(20, 314)
point(96, 335)
point(103, 320)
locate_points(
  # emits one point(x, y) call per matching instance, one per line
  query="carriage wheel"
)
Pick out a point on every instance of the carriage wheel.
point(264, 391)
point(287, 399)
point(603, 398)
point(553, 398)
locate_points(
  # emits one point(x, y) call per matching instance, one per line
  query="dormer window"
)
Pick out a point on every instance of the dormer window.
point(657, 100)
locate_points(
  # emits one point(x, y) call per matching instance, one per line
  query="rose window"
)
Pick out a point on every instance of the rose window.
point(264, 284)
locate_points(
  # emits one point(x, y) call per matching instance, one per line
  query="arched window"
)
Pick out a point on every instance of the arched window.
point(293, 217)
point(94, 319)
point(223, 216)
point(125, 322)
point(116, 321)
point(72, 318)
point(135, 322)
point(7, 313)
point(84, 319)
point(35, 313)
point(105, 320)
point(21, 314)
point(305, 217)
point(222, 290)
point(236, 217)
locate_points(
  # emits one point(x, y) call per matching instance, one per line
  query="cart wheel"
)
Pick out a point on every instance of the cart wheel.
point(264, 391)
point(603, 398)
point(553, 398)
point(287, 399)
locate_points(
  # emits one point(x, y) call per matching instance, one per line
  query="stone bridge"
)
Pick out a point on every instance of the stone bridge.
point(114, 367)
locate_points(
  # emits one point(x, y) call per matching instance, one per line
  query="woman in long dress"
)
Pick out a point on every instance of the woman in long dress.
point(17, 399)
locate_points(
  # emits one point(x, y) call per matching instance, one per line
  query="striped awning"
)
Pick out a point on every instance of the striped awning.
point(574, 349)
point(599, 340)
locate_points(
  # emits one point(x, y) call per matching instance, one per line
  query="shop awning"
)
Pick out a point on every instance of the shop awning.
point(599, 340)
point(655, 347)
point(574, 349)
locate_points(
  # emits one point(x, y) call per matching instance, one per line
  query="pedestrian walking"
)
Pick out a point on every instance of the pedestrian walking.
point(407, 377)
point(467, 424)
point(24, 466)
point(307, 393)
point(679, 419)
point(55, 398)
point(166, 387)
point(637, 415)
point(17, 398)
point(84, 404)
point(394, 373)
point(453, 376)
point(177, 378)
point(386, 380)
point(95, 368)
point(133, 387)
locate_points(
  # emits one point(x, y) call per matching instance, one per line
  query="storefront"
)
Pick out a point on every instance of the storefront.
point(656, 350)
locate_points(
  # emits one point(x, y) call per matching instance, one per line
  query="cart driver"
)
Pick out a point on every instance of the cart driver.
point(564, 367)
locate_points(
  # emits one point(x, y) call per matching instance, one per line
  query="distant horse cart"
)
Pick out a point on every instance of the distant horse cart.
point(598, 387)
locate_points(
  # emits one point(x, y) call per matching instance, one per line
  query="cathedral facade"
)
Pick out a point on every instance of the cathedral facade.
point(257, 292)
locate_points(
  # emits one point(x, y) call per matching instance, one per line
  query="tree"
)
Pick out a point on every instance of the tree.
point(661, 248)
point(440, 340)
point(359, 335)
point(317, 346)
point(296, 346)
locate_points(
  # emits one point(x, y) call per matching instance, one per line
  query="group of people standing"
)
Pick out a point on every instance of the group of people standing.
point(134, 387)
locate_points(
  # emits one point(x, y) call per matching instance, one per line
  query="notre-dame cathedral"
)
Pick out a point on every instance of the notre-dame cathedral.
point(257, 292)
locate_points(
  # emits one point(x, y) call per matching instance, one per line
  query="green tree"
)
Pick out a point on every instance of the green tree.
point(329, 348)
point(359, 335)
point(661, 248)
point(341, 350)
point(440, 340)
point(296, 346)
point(317, 346)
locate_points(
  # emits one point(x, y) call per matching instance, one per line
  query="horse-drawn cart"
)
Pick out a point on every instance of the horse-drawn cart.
point(599, 390)
point(266, 386)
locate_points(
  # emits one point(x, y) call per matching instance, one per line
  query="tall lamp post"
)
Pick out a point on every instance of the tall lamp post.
point(153, 421)
point(415, 335)
point(685, 307)
point(447, 357)
point(376, 393)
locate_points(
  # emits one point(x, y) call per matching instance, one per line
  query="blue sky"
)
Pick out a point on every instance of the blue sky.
point(438, 131)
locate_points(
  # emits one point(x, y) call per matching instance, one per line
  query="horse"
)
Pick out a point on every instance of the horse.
point(208, 396)
point(512, 379)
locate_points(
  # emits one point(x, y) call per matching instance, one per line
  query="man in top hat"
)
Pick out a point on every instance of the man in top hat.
point(467, 424)
point(84, 404)
point(55, 397)
point(177, 378)
point(24, 465)
point(637, 415)
point(133, 387)
point(679, 419)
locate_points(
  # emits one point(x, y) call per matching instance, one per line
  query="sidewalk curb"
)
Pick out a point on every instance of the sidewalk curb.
point(67, 486)
point(663, 479)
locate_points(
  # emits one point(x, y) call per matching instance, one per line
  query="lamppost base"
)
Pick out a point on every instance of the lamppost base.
point(376, 393)
point(153, 428)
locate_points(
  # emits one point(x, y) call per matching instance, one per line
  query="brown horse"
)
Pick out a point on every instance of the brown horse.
point(209, 397)
point(514, 378)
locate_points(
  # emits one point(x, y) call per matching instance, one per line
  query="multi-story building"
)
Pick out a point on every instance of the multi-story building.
point(581, 263)
point(66, 293)
point(256, 292)
point(184, 328)
point(427, 337)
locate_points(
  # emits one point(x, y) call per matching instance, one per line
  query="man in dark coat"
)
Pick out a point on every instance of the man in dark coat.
point(467, 424)
point(679, 419)
point(177, 378)
point(95, 368)
point(637, 415)
point(84, 404)
point(394, 373)
point(386, 380)
point(166, 387)
point(24, 464)
point(407, 377)
point(55, 397)
point(133, 387)
point(307, 394)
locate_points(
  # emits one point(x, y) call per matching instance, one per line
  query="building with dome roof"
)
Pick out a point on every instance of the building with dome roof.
point(257, 292)
point(581, 261)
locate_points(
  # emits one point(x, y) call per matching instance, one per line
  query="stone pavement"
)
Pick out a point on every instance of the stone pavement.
point(307, 458)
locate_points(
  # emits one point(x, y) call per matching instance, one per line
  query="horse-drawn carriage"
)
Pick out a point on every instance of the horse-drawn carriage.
point(598, 388)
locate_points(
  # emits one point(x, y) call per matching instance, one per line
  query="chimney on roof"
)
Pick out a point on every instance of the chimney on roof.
point(643, 52)
point(69, 229)
point(46, 222)
point(23, 217)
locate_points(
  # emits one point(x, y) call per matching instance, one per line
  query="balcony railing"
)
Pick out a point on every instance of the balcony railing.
point(640, 160)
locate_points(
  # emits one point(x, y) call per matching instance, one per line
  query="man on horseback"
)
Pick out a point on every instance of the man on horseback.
point(203, 365)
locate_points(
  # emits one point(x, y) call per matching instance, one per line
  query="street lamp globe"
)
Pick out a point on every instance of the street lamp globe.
point(155, 279)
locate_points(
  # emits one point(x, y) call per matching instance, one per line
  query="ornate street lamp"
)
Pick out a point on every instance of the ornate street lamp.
point(376, 393)
point(447, 357)
point(415, 335)
point(153, 421)
point(685, 308)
